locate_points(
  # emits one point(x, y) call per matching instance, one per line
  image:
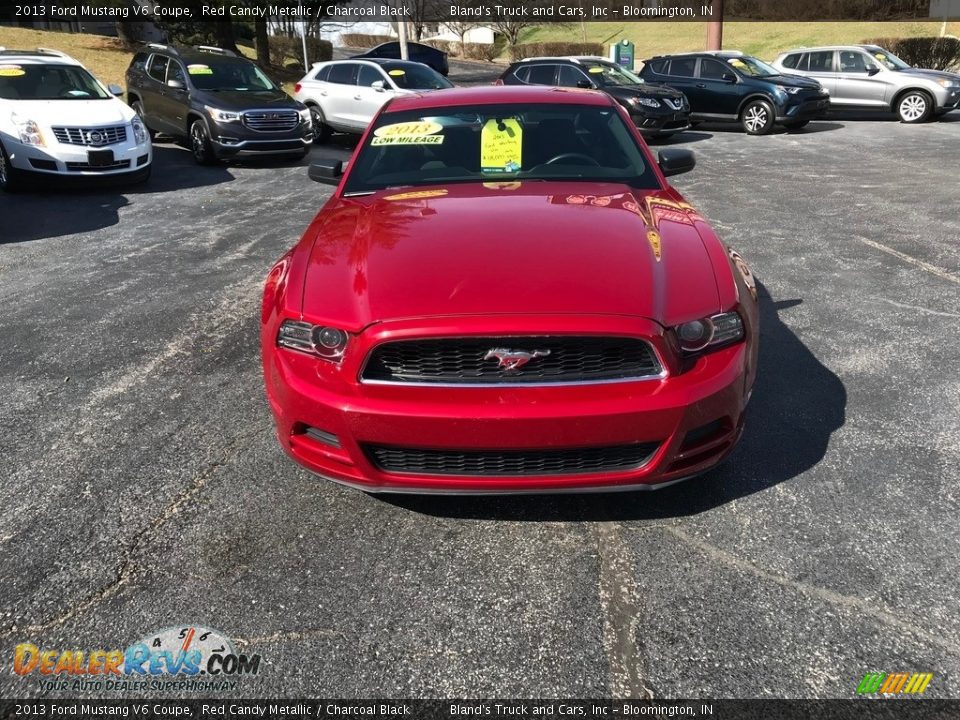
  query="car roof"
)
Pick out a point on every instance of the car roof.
point(199, 53)
point(40, 56)
point(499, 95)
point(831, 47)
point(703, 53)
point(375, 61)
point(410, 43)
point(577, 59)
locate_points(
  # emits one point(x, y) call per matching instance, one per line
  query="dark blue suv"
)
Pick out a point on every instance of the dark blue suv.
point(731, 86)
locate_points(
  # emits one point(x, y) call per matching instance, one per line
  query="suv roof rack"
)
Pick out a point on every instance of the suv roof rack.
point(212, 49)
point(55, 53)
point(160, 46)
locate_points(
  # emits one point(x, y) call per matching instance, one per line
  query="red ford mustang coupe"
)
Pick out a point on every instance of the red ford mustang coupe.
point(504, 294)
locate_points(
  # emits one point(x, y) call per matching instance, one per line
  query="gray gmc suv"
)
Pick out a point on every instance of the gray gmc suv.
point(867, 76)
point(222, 104)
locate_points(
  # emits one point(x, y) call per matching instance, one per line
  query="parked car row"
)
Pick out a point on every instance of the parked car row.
point(224, 106)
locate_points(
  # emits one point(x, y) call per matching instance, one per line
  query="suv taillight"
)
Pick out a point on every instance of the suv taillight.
point(296, 88)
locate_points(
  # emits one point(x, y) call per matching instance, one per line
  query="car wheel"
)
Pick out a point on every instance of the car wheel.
point(200, 144)
point(796, 124)
point(757, 117)
point(914, 107)
point(321, 131)
point(11, 179)
point(137, 107)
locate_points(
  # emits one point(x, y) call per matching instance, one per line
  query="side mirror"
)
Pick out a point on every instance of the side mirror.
point(327, 172)
point(676, 161)
point(115, 90)
point(872, 70)
point(729, 78)
point(175, 84)
point(585, 84)
point(377, 85)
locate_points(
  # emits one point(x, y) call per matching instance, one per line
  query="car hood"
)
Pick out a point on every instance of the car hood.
point(532, 247)
point(794, 81)
point(646, 90)
point(73, 113)
point(246, 100)
point(931, 74)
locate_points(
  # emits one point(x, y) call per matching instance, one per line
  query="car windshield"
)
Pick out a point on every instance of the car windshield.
point(496, 143)
point(231, 75)
point(416, 77)
point(610, 74)
point(891, 61)
point(48, 82)
point(751, 66)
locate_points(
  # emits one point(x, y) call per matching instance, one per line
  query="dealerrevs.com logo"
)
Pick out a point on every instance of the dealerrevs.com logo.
point(176, 658)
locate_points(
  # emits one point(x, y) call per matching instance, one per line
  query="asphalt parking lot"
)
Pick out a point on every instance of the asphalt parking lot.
point(141, 486)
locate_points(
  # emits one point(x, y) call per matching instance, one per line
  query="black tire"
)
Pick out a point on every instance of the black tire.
point(11, 179)
point(757, 117)
point(321, 131)
point(200, 145)
point(137, 107)
point(796, 124)
point(914, 107)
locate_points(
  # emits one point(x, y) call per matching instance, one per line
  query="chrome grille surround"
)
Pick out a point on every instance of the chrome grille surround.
point(91, 137)
point(556, 360)
point(271, 120)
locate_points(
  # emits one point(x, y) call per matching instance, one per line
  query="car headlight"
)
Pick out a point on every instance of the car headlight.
point(645, 101)
point(139, 131)
point(948, 83)
point(305, 117)
point(222, 115)
point(28, 130)
point(321, 341)
point(708, 332)
point(792, 90)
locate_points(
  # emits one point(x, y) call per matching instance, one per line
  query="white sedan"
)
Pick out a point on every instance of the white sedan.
point(344, 95)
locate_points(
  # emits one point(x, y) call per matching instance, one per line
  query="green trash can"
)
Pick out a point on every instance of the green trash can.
point(623, 54)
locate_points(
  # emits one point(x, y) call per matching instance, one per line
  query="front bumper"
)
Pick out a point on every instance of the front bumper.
point(808, 109)
point(660, 121)
point(231, 140)
point(952, 100)
point(694, 418)
point(74, 160)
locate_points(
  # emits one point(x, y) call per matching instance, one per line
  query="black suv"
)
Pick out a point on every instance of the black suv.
point(655, 109)
point(224, 104)
point(736, 87)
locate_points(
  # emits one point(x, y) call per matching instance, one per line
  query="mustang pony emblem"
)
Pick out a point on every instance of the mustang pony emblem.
point(513, 360)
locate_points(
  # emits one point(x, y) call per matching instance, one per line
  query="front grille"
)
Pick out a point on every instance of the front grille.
point(87, 167)
point(271, 120)
point(486, 463)
point(470, 361)
point(92, 137)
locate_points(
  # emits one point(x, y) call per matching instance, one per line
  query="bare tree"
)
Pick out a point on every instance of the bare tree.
point(460, 29)
point(511, 29)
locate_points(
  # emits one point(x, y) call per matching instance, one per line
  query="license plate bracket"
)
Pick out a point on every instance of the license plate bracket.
point(100, 158)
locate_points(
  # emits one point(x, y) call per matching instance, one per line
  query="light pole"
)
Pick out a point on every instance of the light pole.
point(715, 26)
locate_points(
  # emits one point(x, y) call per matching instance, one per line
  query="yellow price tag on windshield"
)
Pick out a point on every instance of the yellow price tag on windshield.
point(596, 70)
point(199, 70)
point(11, 71)
point(397, 73)
point(501, 146)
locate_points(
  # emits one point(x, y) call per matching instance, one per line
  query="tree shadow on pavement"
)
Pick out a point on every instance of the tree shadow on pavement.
point(54, 207)
point(797, 404)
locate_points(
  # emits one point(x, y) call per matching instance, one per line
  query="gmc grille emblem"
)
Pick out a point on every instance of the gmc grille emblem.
point(512, 360)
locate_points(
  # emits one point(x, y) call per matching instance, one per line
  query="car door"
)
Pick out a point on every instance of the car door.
point(173, 101)
point(715, 88)
point(340, 106)
point(821, 66)
point(152, 92)
point(570, 76)
point(368, 99)
point(859, 79)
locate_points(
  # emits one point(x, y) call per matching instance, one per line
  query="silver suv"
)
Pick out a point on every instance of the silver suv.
point(867, 76)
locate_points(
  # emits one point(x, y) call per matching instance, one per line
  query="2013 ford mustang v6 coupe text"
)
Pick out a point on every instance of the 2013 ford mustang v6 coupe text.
point(504, 294)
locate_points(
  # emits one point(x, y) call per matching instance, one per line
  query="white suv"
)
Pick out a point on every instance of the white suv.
point(57, 119)
point(344, 95)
